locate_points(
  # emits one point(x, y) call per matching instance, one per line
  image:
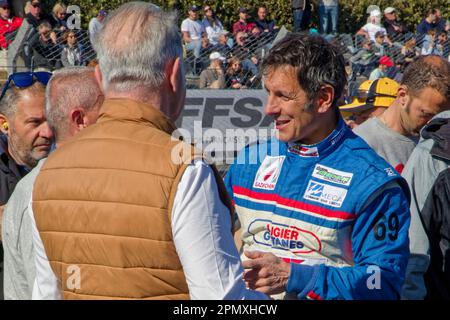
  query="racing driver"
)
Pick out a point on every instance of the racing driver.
point(322, 215)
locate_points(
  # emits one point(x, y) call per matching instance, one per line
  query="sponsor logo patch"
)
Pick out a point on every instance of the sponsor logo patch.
point(284, 237)
point(304, 151)
point(332, 175)
point(326, 194)
point(268, 173)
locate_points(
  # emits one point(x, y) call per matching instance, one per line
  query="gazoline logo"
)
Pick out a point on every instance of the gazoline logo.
point(332, 175)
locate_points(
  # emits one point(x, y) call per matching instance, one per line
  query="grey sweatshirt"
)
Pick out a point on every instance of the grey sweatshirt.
point(19, 254)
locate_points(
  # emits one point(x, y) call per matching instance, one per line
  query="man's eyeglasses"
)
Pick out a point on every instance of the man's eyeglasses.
point(26, 79)
point(6, 8)
point(36, 5)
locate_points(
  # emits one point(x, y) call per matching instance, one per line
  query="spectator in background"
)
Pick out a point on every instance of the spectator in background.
point(427, 23)
point(409, 51)
point(242, 51)
point(44, 47)
point(373, 26)
point(224, 44)
point(193, 31)
point(423, 93)
point(236, 77)
point(7, 23)
point(384, 64)
point(242, 25)
point(36, 16)
point(213, 77)
point(394, 28)
point(443, 45)
point(328, 16)
point(264, 24)
point(372, 99)
point(58, 17)
point(301, 12)
point(213, 26)
point(429, 44)
point(379, 45)
point(96, 24)
point(71, 54)
point(363, 60)
point(441, 24)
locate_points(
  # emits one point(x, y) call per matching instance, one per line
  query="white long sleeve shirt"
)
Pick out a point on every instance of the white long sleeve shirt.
point(201, 227)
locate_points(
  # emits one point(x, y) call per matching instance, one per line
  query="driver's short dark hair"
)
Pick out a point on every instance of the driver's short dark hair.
point(316, 61)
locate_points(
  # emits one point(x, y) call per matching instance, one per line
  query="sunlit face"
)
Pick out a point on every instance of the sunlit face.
point(208, 11)
point(262, 13)
point(71, 39)
point(30, 136)
point(61, 15)
point(287, 103)
point(193, 15)
point(421, 108)
point(236, 66)
point(35, 8)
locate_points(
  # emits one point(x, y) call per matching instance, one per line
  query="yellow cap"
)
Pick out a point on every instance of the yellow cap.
point(378, 93)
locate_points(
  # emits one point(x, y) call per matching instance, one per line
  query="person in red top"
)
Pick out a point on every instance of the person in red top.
point(7, 23)
point(242, 24)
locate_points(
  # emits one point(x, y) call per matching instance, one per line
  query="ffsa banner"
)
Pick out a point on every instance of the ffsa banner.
point(221, 122)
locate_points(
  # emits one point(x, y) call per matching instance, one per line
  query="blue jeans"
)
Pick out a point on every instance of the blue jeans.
point(298, 15)
point(327, 14)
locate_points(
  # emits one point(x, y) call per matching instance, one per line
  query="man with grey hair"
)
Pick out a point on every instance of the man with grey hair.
point(73, 101)
point(149, 219)
point(24, 134)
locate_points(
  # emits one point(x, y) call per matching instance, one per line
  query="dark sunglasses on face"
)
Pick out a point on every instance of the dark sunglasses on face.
point(6, 8)
point(26, 79)
point(36, 5)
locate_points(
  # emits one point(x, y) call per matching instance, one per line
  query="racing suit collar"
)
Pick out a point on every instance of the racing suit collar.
point(322, 148)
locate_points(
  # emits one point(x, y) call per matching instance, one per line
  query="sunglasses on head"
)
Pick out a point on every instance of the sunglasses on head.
point(26, 79)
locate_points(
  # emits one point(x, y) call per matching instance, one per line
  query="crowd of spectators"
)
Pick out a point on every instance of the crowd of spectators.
point(384, 46)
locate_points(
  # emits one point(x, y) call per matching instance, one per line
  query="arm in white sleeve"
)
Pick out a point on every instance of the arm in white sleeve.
point(201, 227)
point(46, 286)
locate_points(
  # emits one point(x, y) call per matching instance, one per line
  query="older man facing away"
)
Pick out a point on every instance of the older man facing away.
point(145, 217)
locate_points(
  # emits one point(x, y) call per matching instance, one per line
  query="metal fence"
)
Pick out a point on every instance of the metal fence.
point(359, 62)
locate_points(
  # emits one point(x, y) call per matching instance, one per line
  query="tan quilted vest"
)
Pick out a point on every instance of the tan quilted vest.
point(103, 202)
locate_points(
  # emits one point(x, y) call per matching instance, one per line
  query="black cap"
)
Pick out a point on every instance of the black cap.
point(194, 8)
point(243, 10)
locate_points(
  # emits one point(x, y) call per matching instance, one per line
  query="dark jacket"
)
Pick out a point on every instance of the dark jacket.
point(436, 220)
point(10, 172)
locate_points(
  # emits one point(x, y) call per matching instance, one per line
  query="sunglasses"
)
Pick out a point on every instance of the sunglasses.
point(36, 5)
point(6, 8)
point(26, 79)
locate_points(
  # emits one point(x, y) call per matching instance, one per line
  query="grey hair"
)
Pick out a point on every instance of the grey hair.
point(69, 88)
point(8, 104)
point(135, 44)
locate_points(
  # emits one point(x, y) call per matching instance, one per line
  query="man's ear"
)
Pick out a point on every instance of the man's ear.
point(403, 96)
point(325, 98)
point(4, 124)
point(174, 72)
point(77, 120)
point(99, 76)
